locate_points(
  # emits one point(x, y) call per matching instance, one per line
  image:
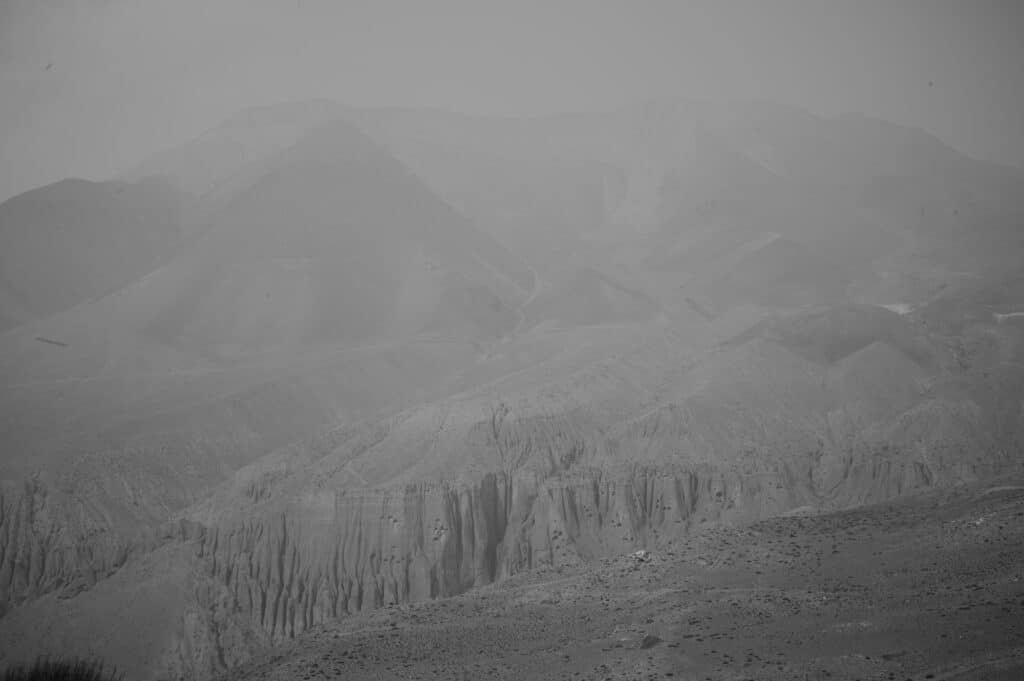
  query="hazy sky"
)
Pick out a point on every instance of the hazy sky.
point(88, 87)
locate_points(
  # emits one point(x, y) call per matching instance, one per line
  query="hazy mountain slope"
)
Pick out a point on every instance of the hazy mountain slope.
point(345, 396)
point(332, 287)
point(537, 183)
point(634, 441)
point(332, 242)
point(830, 333)
point(892, 203)
point(336, 241)
point(773, 271)
point(874, 381)
point(538, 207)
point(584, 296)
point(250, 136)
point(120, 453)
point(362, 254)
point(76, 240)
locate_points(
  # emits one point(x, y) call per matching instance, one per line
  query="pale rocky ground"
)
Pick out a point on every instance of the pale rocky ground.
point(930, 587)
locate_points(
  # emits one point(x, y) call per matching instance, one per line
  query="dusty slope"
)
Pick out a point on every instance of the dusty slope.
point(633, 441)
point(585, 296)
point(76, 240)
point(377, 259)
point(210, 163)
point(891, 200)
point(335, 240)
point(927, 588)
point(892, 203)
point(331, 287)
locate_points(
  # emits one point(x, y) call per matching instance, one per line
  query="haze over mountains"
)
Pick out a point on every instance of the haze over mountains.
point(323, 359)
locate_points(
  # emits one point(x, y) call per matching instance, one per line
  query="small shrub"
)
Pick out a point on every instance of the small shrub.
point(46, 669)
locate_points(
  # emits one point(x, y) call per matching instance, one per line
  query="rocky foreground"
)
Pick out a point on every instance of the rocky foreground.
point(928, 587)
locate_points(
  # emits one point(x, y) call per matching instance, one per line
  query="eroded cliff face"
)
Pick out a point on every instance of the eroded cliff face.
point(337, 552)
point(298, 549)
point(50, 543)
point(62, 532)
point(558, 489)
point(197, 599)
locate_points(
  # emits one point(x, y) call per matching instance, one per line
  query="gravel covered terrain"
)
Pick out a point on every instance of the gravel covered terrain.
point(930, 587)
